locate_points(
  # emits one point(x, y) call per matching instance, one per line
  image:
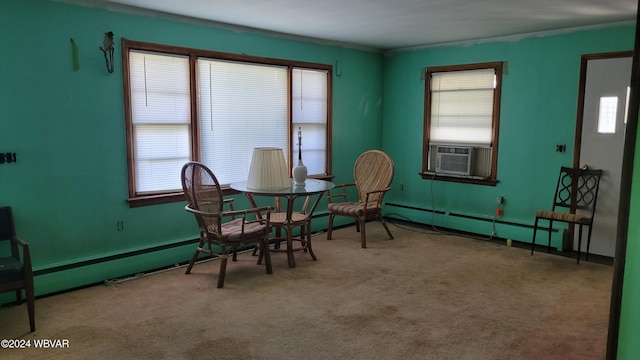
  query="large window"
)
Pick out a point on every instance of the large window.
point(462, 111)
point(184, 104)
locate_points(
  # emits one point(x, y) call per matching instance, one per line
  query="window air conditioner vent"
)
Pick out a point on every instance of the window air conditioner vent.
point(457, 160)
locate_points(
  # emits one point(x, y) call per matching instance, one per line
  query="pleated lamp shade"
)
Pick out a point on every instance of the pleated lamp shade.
point(268, 169)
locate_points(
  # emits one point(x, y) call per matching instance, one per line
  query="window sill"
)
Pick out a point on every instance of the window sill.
point(145, 200)
point(156, 199)
point(458, 179)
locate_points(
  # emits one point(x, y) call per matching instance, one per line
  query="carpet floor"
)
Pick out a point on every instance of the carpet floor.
point(423, 295)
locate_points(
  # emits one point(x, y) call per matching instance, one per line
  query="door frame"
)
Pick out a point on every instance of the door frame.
point(584, 60)
point(625, 186)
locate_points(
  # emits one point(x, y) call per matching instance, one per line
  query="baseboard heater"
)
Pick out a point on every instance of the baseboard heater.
point(416, 208)
point(120, 256)
point(472, 217)
point(124, 255)
point(490, 219)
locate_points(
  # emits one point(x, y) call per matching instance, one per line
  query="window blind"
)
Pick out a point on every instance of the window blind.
point(462, 107)
point(160, 109)
point(309, 113)
point(242, 106)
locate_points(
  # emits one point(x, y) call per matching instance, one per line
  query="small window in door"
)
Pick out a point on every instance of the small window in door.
point(607, 116)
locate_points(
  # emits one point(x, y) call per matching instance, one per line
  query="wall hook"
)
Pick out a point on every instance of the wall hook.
point(107, 48)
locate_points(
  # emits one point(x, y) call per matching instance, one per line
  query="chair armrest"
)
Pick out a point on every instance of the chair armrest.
point(258, 215)
point(342, 194)
point(376, 199)
point(244, 212)
point(229, 203)
point(26, 254)
point(257, 210)
point(19, 241)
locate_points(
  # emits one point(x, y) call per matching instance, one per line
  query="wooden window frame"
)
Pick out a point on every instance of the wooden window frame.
point(136, 199)
point(430, 175)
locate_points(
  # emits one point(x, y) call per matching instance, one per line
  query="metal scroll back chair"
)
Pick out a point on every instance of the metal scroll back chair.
point(16, 274)
point(373, 173)
point(577, 194)
point(205, 201)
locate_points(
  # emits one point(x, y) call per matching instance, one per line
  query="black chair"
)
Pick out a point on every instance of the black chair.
point(16, 274)
point(577, 194)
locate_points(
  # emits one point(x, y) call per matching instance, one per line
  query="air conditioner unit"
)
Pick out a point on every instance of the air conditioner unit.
point(457, 160)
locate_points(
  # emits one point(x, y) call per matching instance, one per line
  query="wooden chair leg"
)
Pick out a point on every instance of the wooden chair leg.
point(533, 240)
point(386, 227)
point(290, 257)
point(303, 237)
point(330, 228)
point(264, 252)
point(363, 235)
point(193, 261)
point(29, 293)
point(579, 243)
point(549, 241)
point(588, 243)
point(309, 248)
point(259, 249)
point(223, 270)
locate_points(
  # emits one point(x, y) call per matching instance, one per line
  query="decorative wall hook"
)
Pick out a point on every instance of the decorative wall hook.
point(107, 48)
point(74, 55)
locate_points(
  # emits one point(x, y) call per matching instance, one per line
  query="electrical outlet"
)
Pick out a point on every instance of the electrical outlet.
point(500, 200)
point(7, 158)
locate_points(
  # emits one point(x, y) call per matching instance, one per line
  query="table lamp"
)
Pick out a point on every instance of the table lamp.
point(268, 169)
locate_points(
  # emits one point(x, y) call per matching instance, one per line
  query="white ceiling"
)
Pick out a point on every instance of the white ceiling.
point(391, 24)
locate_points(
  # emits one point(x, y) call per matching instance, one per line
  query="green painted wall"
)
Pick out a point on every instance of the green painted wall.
point(538, 111)
point(628, 348)
point(539, 98)
point(69, 186)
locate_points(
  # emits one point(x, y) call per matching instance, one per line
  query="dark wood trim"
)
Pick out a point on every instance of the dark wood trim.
point(432, 176)
point(136, 199)
point(179, 50)
point(195, 108)
point(584, 60)
point(497, 100)
point(156, 199)
point(329, 162)
point(128, 117)
point(426, 131)
point(145, 200)
point(625, 202)
point(426, 121)
point(577, 142)
point(290, 156)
